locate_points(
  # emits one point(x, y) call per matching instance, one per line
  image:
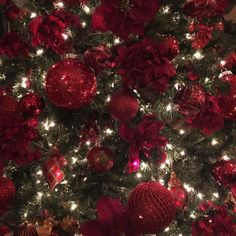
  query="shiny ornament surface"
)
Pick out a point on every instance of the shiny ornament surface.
point(26, 230)
point(8, 104)
point(225, 172)
point(151, 207)
point(100, 159)
point(123, 105)
point(190, 100)
point(70, 84)
point(31, 104)
point(7, 191)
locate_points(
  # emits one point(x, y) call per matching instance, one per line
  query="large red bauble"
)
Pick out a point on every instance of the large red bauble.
point(8, 104)
point(227, 101)
point(7, 191)
point(100, 159)
point(26, 230)
point(123, 105)
point(225, 172)
point(151, 207)
point(190, 100)
point(70, 84)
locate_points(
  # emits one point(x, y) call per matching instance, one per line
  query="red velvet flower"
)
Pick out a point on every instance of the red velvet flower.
point(12, 46)
point(143, 65)
point(143, 138)
point(124, 17)
point(204, 8)
point(202, 37)
point(220, 222)
point(99, 58)
point(50, 31)
point(210, 119)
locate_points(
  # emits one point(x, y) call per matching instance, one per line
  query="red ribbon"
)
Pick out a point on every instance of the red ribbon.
point(143, 138)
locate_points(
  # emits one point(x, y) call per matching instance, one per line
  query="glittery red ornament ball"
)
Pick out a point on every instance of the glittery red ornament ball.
point(225, 172)
point(8, 104)
point(70, 84)
point(123, 105)
point(173, 47)
point(100, 159)
point(31, 104)
point(151, 207)
point(7, 191)
point(26, 230)
point(227, 101)
point(190, 100)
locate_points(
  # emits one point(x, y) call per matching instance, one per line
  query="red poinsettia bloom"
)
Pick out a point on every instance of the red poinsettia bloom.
point(12, 46)
point(145, 65)
point(210, 119)
point(124, 17)
point(204, 8)
point(50, 31)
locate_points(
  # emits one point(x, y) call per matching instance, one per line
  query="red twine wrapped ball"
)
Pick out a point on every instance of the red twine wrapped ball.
point(100, 159)
point(8, 104)
point(151, 207)
point(70, 84)
point(123, 105)
point(7, 192)
point(26, 230)
point(227, 101)
point(190, 100)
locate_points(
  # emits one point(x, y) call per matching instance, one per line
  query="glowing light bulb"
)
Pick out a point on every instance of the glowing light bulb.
point(33, 15)
point(73, 206)
point(139, 175)
point(214, 142)
point(86, 9)
point(182, 153)
point(200, 196)
point(226, 158)
point(216, 195)
point(198, 55)
point(182, 131)
point(59, 4)
point(39, 52)
point(169, 107)
point(116, 41)
point(223, 63)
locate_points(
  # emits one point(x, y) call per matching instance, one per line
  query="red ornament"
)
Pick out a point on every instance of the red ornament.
point(227, 101)
point(7, 193)
point(178, 191)
point(26, 230)
point(52, 171)
point(31, 104)
point(4, 231)
point(100, 159)
point(170, 47)
point(123, 105)
point(151, 207)
point(70, 84)
point(225, 172)
point(8, 104)
point(190, 100)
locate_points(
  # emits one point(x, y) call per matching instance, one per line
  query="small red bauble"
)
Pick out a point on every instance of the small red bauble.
point(190, 100)
point(225, 172)
point(123, 105)
point(7, 191)
point(172, 47)
point(26, 230)
point(70, 84)
point(100, 159)
point(31, 104)
point(8, 104)
point(151, 207)
point(227, 101)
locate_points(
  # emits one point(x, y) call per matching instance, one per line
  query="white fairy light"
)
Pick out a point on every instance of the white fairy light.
point(169, 107)
point(59, 4)
point(198, 55)
point(85, 178)
point(74, 160)
point(167, 229)
point(39, 195)
point(216, 195)
point(38, 181)
point(25, 214)
point(200, 196)
point(73, 206)
point(39, 52)
point(109, 131)
point(207, 80)
point(64, 182)
point(65, 36)
point(214, 142)
point(139, 175)
point(182, 153)
point(166, 10)
point(33, 15)
point(163, 166)
point(116, 41)
point(193, 216)
point(225, 157)
point(188, 36)
point(48, 124)
point(182, 131)
point(84, 24)
point(162, 182)
point(86, 9)
point(188, 188)
point(108, 99)
point(88, 143)
point(24, 82)
point(223, 63)
point(177, 86)
point(40, 172)
point(169, 146)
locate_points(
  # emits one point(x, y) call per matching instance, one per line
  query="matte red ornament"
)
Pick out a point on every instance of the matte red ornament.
point(225, 172)
point(100, 159)
point(31, 104)
point(7, 191)
point(26, 230)
point(123, 105)
point(70, 84)
point(190, 100)
point(227, 101)
point(53, 173)
point(8, 104)
point(151, 207)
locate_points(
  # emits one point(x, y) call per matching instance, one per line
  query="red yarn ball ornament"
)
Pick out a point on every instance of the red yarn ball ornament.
point(227, 101)
point(190, 100)
point(7, 192)
point(100, 159)
point(151, 207)
point(8, 104)
point(70, 84)
point(26, 230)
point(123, 105)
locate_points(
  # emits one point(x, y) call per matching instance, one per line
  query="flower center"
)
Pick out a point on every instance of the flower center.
point(126, 6)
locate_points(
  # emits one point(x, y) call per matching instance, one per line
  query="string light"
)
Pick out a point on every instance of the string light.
point(216, 195)
point(39, 52)
point(188, 188)
point(33, 15)
point(198, 55)
point(214, 142)
point(25, 214)
point(167, 229)
point(59, 5)
point(169, 146)
point(88, 143)
point(139, 175)
point(74, 160)
point(200, 196)
point(24, 82)
point(116, 41)
point(223, 63)
point(65, 36)
point(193, 216)
point(182, 153)
point(226, 158)
point(166, 10)
point(40, 172)
point(109, 131)
point(182, 131)
point(73, 206)
point(84, 24)
point(169, 107)
point(86, 9)
point(162, 182)
point(48, 124)
point(188, 36)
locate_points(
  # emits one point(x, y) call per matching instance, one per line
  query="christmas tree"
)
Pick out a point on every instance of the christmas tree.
point(117, 117)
